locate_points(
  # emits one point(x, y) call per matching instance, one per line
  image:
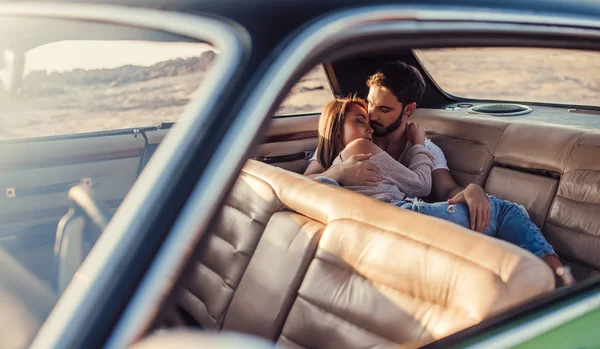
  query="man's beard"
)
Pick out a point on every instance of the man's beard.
point(382, 132)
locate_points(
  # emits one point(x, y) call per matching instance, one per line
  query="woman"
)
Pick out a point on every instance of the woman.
point(344, 131)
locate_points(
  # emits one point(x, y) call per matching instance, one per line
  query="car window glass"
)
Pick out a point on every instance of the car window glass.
point(76, 86)
point(79, 102)
point(516, 74)
point(308, 95)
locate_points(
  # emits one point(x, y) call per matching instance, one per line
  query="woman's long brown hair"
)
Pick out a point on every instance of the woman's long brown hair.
point(331, 127)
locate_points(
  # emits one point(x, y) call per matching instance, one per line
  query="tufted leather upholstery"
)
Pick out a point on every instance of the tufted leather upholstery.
point(532, 191)
point(338, 269)
point(468, 146)
point(225, 254)
point(269, 287)
point(377, 266)
point(573, 224)
point(554, 171)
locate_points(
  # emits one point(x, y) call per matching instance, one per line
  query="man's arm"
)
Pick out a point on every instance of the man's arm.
point(445, 188)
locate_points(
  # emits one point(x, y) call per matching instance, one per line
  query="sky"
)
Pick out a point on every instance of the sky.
point(68, 55)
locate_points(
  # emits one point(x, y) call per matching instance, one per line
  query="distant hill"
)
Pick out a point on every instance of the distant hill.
point(41, 81)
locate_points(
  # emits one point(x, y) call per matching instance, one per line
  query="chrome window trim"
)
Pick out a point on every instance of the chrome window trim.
point(77, 300)
point(315, 39)
point(201, 206)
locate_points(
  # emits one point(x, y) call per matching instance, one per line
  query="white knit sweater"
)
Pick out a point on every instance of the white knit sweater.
point(408, 177)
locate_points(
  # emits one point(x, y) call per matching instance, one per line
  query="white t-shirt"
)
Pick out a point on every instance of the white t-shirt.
point(439, 160)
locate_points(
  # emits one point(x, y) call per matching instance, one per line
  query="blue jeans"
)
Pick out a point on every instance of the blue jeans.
point(327, 180)
point(508, 221)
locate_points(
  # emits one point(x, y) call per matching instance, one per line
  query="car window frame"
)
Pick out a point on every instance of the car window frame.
point(72, 320)
point(306, 48)
point(330, 86)
point(459, 99)
point(298, 56)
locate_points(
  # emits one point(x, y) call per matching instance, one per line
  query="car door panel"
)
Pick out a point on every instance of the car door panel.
point(35, 178)
point(154, 138)
point(290, 142)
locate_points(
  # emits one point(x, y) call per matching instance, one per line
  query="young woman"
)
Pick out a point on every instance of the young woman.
point(344, 131)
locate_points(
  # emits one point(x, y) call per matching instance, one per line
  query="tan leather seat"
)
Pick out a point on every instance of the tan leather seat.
point(468, 144)
point(225, 254)
point(573, 223)
point(337, 269)
point(551, 170)
point(546, 168)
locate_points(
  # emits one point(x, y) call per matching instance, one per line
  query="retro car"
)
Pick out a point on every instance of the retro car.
point(152, 161)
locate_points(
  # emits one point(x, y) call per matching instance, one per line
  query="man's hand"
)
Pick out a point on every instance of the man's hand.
point(415, 133)
point(355, 171)
point(479, 206)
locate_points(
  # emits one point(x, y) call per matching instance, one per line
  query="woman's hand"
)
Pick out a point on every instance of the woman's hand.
point(356, 171)
point(415, 133)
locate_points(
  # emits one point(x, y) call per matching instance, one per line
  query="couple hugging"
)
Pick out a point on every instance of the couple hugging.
point(370, 147)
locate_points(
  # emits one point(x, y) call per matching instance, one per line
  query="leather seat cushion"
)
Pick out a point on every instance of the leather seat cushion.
point(532, 191)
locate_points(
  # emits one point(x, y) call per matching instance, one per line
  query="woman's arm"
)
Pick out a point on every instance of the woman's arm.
point(419, 161)
point(354, 171)
point(414, 179)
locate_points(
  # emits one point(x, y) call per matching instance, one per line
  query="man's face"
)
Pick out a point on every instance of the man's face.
point(384, 111)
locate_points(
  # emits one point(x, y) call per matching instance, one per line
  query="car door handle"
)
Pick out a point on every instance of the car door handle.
point(285, 158)
point(13, 192)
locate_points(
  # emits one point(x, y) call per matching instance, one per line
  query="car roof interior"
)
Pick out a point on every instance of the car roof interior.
point(41, 31)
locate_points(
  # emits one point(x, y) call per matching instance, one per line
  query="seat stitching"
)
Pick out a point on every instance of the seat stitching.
point(469, 173)
point(418, 241)
point(534, 166)
point(203, 303)
point(577, 231)
point(575, 145)
point(577, 201)
point(291, 341)
point(582, 169)
point(248, 216)
point(234, 250)
point(217, 274)
point(457, 310)
point(484, 145)
point(348, 321)
point(550, 204)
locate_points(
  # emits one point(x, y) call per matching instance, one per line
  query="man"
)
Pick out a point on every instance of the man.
point(394, 92)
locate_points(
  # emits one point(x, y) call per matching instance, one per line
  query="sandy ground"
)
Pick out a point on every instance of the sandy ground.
point(309, 95)
point(519, 74)
point(99, 107)
point(511, 74)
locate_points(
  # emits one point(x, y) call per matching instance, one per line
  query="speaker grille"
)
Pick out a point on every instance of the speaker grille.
point(501, 109)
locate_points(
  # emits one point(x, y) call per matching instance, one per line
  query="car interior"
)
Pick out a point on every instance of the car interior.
point(38, 173)
point(307, 265)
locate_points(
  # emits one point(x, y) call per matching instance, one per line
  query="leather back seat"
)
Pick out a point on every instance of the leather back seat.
point(573, 223)
point(332, 268)
point(469, 147)
point(224, 255)
point(553, 171)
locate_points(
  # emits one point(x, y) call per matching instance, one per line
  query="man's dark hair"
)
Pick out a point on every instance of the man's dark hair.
point(403, 80)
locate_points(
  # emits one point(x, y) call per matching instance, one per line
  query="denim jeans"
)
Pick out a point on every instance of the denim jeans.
point(327, 180)
point(508, 221)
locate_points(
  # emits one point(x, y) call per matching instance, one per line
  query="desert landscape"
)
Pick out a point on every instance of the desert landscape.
point(132, 96)
point(518, 74)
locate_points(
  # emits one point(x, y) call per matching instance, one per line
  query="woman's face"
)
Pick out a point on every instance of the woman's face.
point(356, 124)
